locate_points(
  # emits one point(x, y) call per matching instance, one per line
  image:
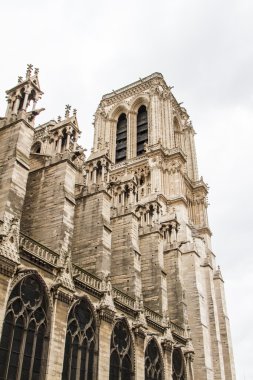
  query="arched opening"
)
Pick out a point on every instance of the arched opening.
point(178, 365)
point(24, 335)
point(64, 140)
point(80, 343)
point(36, 148)
point(121, 138)
point(121, 361)
point(99, 172)
point(153, 362)
point(142, 129)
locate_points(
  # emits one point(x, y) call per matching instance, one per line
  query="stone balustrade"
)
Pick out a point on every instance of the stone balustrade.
point(38, 250)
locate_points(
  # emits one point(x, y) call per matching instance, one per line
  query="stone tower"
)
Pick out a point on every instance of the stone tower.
point(114, 250)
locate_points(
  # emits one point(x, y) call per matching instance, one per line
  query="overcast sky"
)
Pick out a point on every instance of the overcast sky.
point(204, 48)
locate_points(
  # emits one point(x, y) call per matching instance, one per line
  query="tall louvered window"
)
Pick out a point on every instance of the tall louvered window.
point(121, 367)
point(153, 363)
point(178, 365)
point(80, 343)
point(23, 340)
point(121, 138)
point(142, 129)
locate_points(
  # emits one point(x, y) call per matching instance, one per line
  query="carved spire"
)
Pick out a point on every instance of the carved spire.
point(29, 70)
point(67, 110)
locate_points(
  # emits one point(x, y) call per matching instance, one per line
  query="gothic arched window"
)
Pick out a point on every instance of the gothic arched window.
point(142, 129)
point(121, 367)
point(80, 343)
point(178, 365)
point(153, 362)
point(23, 340)
point(121, 138)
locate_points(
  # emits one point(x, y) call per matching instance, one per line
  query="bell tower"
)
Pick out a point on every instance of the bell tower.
point(161, 240)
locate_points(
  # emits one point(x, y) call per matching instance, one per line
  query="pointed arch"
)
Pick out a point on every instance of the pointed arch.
point(153, 361)
point(24, 339)
point(138, 101)
point(36, 147)
point(121, 354)
point(81, 342)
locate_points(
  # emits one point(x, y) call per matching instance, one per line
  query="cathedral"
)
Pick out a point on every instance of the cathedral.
point(106, 265)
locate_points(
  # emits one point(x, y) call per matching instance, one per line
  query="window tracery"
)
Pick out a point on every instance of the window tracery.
point(121, 367)
point(153, 362)
point(178, 365)
point(80, 343)
point(24, 332)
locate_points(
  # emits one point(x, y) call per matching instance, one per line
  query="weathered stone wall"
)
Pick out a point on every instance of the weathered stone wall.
point(154, 281)
point(92, 233)
point(48, 214)
point(126, 259)
point(15, 145)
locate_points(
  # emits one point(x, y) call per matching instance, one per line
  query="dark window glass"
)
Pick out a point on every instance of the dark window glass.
point(80, 343)
point(121, 352)
point(142, 129)
point(121, 138)
point(178, 365)
point(153, 362)
point(24, 330)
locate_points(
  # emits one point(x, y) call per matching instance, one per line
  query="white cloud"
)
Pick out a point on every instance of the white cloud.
point(203, 48)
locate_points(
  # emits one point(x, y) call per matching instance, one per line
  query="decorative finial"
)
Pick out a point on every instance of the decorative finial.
point(29, 70)
point(67, 110)
point(36, 71)
point(20, 79)
point(74, 111)
point(59, 119)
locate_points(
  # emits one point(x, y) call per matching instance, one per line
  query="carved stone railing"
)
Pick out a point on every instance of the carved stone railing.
point(123, 298)
point(87, 278)
point(38, 250)
point(153, 316)
point(177, 329)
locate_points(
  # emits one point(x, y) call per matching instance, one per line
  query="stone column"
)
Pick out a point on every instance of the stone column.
point(25, 100)
point(139, 354)
point(7, 270)
point(167, 348)
point(59, 144)
point(62, 300)
point(106, 312)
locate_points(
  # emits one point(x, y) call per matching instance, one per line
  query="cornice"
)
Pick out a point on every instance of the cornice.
point(141, 84)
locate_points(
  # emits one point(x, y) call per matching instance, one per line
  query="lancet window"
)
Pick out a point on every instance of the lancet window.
point(178, 365)
point(142, 129)
point(153, 362)
point(121, 138)
point(80, 343)
point(25, 332)
point(121, 365)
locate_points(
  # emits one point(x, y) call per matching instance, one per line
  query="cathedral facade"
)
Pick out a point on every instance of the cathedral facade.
point(106, 265)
